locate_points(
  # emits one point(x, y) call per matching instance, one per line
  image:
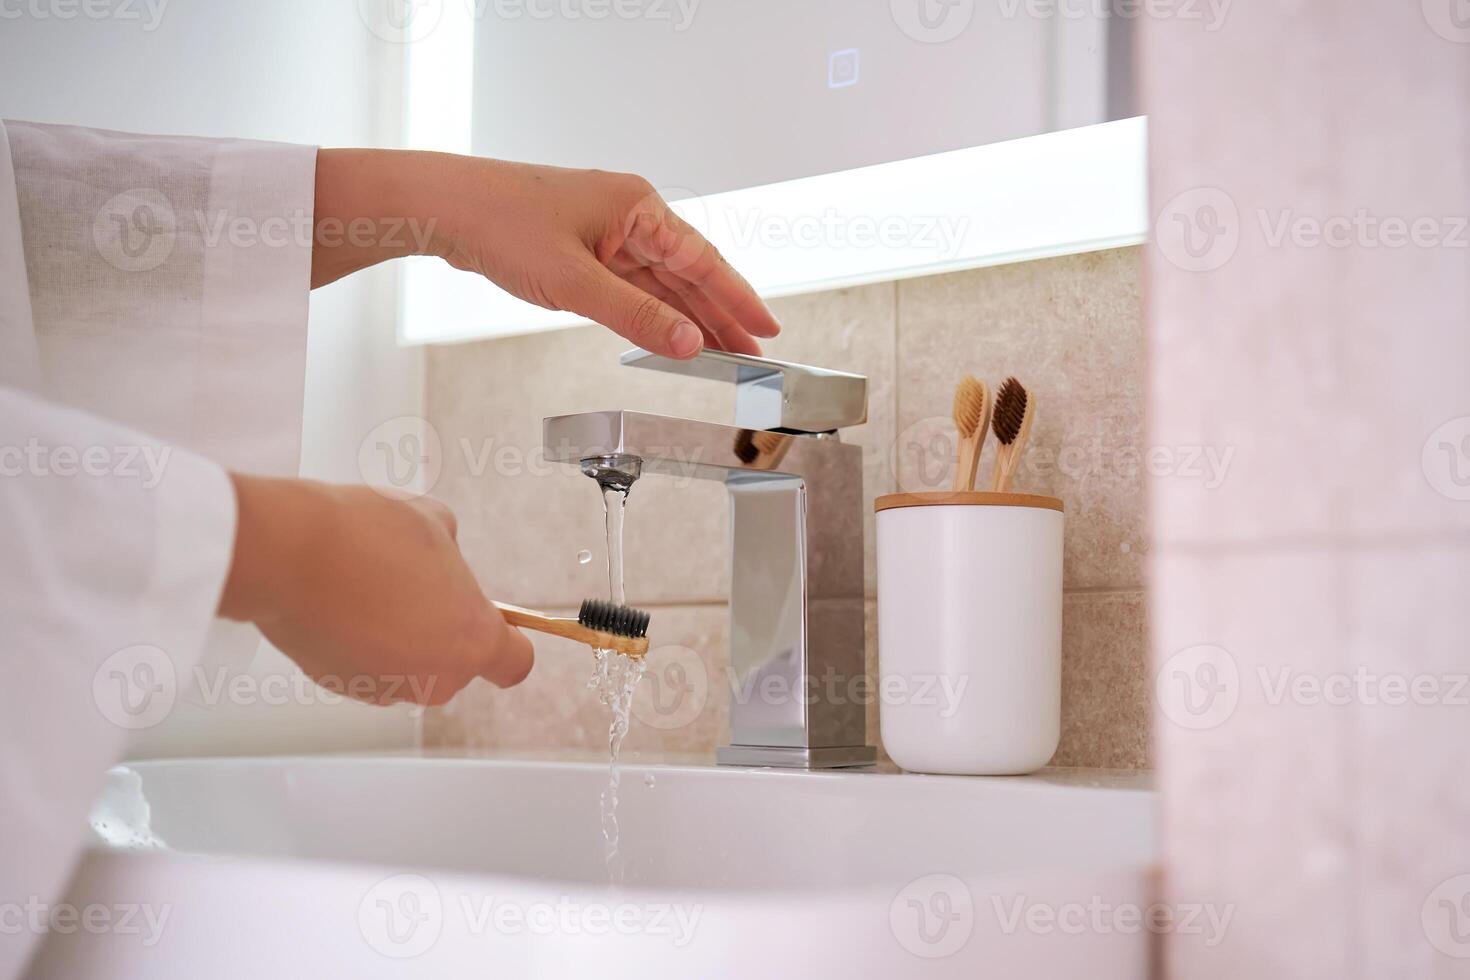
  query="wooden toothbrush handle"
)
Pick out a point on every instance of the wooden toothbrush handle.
point(970, 450)
point(571, 630)
point(1000, 478)
point(964, 473)
point(532, 620)
point(1008, 458)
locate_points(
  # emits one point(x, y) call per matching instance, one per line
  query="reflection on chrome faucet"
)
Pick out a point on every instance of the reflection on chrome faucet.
point(796, 574)
point(762, 450)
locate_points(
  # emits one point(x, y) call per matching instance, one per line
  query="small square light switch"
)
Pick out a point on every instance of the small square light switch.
point(842, 68)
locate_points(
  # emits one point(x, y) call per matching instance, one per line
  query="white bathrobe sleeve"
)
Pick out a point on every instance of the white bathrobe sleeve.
point(114, 548)
point(147, 285)
point(169, 279)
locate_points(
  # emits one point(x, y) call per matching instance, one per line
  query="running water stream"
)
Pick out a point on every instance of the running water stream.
point(614, 676)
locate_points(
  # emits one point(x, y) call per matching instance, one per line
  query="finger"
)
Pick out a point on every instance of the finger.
point(439, 512)
point(635, 314)
point(726, 331)
point(720, 328)
point(635, 249)
point(628, 265)
point(652, 240)
point(644, 279)
point(511, 654)
point(429, 690)
point(708, 271)
point(658, 237)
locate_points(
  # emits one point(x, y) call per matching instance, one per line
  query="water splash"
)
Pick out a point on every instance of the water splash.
point(615, 677)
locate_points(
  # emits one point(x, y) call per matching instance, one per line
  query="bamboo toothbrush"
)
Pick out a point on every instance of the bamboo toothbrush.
point(761, 449)
point(599, 624)
point(1015, 407)
point(972, 420)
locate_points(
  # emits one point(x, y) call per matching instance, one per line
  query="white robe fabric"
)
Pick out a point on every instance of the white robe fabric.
point(153, 295)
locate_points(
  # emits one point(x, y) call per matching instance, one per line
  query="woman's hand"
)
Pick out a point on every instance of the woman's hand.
point(603, 245)
point(369, 595)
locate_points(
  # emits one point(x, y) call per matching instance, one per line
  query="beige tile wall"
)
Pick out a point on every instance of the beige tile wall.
point(1070, 327)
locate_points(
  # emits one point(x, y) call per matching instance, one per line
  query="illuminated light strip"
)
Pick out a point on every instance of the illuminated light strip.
point(438, 82)
point(1077, 190)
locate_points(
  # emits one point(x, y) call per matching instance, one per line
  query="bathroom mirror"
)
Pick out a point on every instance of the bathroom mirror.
point(817, 143)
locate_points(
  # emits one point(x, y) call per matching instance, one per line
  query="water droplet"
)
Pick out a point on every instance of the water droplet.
point(648, 780)
point(584, 556)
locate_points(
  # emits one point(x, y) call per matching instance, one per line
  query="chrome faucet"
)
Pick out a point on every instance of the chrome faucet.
point(796, 541)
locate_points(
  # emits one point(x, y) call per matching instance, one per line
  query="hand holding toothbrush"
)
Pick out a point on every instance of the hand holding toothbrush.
point(367, 594)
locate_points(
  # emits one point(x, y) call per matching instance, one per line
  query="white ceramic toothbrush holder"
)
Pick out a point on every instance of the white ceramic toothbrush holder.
point(970, 630)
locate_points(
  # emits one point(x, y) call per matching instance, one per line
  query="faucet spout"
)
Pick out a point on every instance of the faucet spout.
point(796, 560)
point(618, 471)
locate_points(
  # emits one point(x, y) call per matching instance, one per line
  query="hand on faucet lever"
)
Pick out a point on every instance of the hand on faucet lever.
point(604, 245)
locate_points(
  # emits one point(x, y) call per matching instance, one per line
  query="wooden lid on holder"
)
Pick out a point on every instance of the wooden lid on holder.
point(966, 498)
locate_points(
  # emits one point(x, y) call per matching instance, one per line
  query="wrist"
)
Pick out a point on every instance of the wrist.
point(273, 524)
point(376, 205)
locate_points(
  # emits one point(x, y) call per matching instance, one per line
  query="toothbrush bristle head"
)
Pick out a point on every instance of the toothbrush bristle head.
point(744, 447)
point(1010, 411)
point(969, 405)
point(609, 617)
point(769, 443)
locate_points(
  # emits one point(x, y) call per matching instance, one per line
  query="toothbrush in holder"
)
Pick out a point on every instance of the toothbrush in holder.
point(1015, 407)
point(600, 625)
point(971, 422)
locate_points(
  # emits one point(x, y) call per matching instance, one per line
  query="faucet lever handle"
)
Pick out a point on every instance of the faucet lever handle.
point(771, 394)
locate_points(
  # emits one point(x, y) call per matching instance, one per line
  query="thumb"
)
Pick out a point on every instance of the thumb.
point(637, 315)
point(511, 655)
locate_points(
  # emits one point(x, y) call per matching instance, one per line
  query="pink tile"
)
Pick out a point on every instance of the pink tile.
point(1408, 683)
point(1255, 787)
point(1336, 376)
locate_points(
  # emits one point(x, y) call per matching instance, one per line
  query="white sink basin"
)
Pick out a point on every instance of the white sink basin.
point(354, 866)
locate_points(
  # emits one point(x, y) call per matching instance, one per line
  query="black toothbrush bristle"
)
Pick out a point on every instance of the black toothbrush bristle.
point(607, 617)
